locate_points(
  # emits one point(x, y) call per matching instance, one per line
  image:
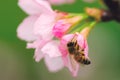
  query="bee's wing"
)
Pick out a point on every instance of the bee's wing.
point(74, 64)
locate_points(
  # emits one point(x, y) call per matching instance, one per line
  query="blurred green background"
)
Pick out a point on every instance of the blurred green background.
point(17, 63)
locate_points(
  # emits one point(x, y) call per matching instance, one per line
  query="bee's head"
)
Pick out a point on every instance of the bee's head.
point(70, 44)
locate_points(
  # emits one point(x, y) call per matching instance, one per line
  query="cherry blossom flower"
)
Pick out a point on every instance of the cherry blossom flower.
point(38, 11)
point(37, 28)
point(47, 31)
point(45, 45)
point(34, 10)
point(69, 60)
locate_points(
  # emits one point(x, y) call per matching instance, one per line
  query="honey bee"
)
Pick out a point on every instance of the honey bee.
point(74, 49)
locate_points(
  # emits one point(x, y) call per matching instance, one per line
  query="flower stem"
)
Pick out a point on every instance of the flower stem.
point(83, 17)
point(78, 14)
point(86, 29)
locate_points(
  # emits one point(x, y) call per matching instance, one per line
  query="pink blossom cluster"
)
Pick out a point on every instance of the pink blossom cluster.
point(47, 31)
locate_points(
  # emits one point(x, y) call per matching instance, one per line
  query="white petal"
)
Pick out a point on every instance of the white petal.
point(51, 49)
point(45, 6)
point(54, 64)
point(80, 40)
point(44, 25)
point(30, 6)
point(67, 38)
point(71, 64)
point(83, 43)
point(38, 43)
point(25, 29)
point(38, 55)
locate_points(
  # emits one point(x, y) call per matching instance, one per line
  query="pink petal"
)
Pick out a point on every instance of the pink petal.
point(80, 40)
point(45, 6)
point(38, 43)
point(63, 44)
point(69, 61)
point(51, 49)
point(65, 39)
point(54, 64)
point(83, 43)
point(38, 55)
point(73, 65)
point(60, 28)
point(86, 48)
point(35, 7)
point(30, 6)
point(25, 29)
point(43, 26)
